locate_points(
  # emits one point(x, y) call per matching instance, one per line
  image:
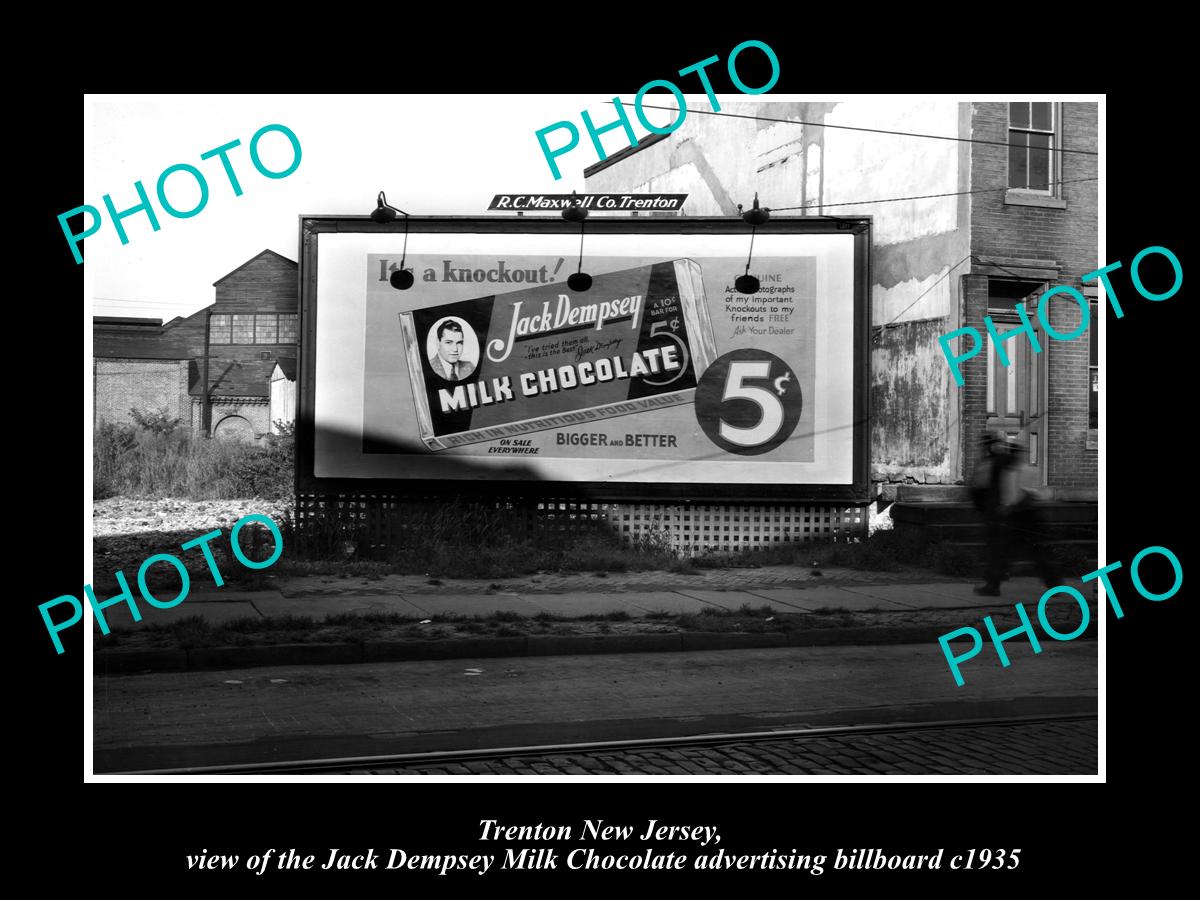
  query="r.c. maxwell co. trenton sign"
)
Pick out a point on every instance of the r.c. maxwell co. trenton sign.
point(598, 202)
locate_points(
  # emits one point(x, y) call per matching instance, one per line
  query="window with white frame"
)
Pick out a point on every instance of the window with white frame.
point(1033, 140)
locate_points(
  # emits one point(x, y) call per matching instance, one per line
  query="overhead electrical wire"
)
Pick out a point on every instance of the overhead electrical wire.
point(925, 196)
point(932, 137)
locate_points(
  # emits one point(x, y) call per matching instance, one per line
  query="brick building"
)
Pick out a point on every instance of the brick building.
point(250, 363)
point(1026, 241)
point(985, 226)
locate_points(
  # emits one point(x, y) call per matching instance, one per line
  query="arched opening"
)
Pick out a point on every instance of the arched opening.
point(235, 428)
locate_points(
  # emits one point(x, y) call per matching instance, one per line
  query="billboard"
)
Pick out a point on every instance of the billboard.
point(660, 379)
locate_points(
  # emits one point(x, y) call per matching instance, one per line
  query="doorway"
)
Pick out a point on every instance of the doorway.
point(1017, 393)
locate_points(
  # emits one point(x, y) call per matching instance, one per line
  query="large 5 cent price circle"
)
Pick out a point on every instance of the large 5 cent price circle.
point(748, 402)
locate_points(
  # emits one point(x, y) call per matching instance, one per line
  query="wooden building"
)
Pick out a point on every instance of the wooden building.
point(243, 347)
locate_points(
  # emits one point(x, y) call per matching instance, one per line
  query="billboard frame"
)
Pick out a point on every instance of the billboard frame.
point(858, 491)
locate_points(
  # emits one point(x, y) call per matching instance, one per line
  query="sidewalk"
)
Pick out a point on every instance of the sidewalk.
point(785, 589)
point(553, 615)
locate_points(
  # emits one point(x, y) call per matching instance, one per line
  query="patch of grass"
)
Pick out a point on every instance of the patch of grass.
point(292, 564)
point(886, 551)
point(466, 539)
point(747, 610)
point(1073, 561)
point(617, 615)
point(683, 566)
point(951, 559)
point(246, 624)
point(732, 622)
point(157, 458)
point(194, 632)
point(190, 633)
point(367, 619)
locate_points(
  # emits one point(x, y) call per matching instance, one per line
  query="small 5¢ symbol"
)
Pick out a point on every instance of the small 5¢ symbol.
point(748, 402)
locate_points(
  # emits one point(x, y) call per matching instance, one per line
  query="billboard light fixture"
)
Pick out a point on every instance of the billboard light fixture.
point(580, 280)
point(746, 284)
point(755, 216)
point(576, 212)
point(401, 279)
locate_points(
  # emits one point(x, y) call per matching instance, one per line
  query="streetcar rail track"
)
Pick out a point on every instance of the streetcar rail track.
point(433, 759)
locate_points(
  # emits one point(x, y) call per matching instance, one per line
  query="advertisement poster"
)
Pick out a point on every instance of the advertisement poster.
point(491, 366)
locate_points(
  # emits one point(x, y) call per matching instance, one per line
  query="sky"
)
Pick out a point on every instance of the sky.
point(431, 154)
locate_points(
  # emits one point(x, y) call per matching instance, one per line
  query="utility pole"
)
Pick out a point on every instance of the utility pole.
point(205, 403)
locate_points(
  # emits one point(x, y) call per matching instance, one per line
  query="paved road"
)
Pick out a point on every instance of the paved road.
point(170, 720)
point(1066, 747)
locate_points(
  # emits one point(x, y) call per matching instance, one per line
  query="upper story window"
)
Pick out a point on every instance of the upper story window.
point(248, 328)
point(1033, 138)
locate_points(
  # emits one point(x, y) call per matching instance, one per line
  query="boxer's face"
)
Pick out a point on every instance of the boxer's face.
point(450, 346)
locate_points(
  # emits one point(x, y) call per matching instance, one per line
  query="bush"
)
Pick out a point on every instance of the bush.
point(156, 422)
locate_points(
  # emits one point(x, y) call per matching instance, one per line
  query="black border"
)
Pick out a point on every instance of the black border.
point(858, 491)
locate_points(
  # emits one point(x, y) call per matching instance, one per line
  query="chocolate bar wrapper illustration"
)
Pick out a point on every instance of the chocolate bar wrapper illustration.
point(547, 357)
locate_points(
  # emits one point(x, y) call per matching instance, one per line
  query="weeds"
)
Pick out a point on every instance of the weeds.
point(885, 551)
point(951, 559)
point(155, 458)
point(459, 539)
point(617, 615)
point(195, 632)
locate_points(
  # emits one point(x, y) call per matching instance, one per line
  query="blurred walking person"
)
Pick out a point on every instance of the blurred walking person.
point(1006, 491)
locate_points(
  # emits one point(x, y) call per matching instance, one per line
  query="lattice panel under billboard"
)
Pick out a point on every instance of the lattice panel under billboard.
point(695, 529)
point(325, 523)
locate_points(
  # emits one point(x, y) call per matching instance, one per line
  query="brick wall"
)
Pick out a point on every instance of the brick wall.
point(973, 392)
point(1065, 237)
point(145, 385)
